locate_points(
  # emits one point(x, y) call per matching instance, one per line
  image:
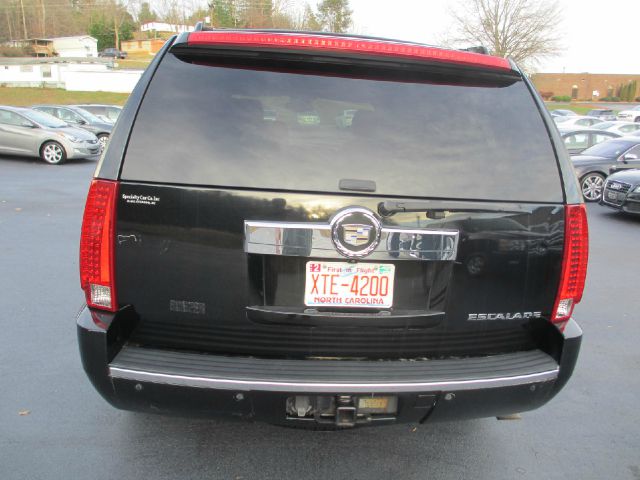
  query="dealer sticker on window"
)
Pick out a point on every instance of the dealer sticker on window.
point(354, 285)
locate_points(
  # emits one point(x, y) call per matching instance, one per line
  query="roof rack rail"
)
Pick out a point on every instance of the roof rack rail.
point(479, 49)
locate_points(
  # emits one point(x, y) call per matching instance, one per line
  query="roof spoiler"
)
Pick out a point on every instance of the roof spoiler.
point(328, 43)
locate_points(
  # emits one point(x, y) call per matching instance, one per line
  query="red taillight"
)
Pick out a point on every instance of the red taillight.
point(97, 244)
point(298, 41)
point(574, 263)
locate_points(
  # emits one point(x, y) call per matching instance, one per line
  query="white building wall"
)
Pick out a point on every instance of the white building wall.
point(30, 73)
point(114, 81)
point(165, 27)
point(88, 77)
point(75, 46)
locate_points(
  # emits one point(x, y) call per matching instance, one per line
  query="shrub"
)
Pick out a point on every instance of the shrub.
point(561, 98)
point(610, 99)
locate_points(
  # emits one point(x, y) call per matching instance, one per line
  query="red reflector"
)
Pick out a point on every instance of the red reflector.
point(97, 244)
point(574, 262)
point(297, 41)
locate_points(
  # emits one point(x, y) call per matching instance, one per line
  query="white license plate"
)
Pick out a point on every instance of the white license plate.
point(353, 285)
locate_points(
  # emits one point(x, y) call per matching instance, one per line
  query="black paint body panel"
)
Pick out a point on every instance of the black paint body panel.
point(188, 247)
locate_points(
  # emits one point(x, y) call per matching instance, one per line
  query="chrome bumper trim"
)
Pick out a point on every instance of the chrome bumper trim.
point(310, 387)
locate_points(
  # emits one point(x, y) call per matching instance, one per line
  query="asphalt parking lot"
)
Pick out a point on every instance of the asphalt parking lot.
point(53, 425)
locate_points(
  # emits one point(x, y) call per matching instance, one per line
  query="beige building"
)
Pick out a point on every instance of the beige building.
point(582, 86)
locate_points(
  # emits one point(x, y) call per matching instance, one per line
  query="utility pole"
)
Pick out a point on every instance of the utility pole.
point(115, 27)
point(24, 21)
point(44, 19)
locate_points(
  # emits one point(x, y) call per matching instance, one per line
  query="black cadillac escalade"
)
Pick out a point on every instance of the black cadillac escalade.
point(250, 249)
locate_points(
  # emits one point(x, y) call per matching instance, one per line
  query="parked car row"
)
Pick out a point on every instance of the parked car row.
point(605, 154)
point(56, 133)
point(595, 163)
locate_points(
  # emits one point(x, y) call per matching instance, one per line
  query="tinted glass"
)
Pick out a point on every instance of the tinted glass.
point(11, 118)
point(599, 138)
point(90, 117)
point(44, 119)
point(578, 140)
point(611, 149)
point(68, 115)
point(201, 124)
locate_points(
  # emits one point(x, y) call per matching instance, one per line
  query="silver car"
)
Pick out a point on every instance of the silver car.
point(28, 132)
point(108, 113)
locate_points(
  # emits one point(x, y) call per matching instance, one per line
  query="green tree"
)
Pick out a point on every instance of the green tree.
point(334, 15)
point(146, 14)
point(632, 91)
point(624, 92)
point(103, 29)
point(310, 20)
point(224, 13)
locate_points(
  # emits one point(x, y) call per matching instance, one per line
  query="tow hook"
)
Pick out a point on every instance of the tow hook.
point(345, 411)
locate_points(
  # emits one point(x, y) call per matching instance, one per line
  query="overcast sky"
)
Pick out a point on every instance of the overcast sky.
point(599, 37)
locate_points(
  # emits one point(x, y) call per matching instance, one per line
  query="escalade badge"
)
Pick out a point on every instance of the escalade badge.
point(355, 232)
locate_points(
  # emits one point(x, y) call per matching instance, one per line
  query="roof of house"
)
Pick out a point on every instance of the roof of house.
point(73, 37)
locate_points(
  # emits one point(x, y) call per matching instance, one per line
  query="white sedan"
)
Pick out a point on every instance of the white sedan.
point(623, 128)
point(631, 115)
point(570, 122)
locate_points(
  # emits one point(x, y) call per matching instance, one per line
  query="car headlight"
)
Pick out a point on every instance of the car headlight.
point(637, 189)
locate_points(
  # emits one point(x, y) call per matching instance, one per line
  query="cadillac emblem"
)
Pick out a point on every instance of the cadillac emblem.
point(356, 235)
point(355, 232)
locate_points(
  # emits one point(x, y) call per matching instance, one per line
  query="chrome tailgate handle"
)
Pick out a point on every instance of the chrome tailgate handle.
point(314, 240)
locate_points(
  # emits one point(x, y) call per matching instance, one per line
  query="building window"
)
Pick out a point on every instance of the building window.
point(45, 70)
point(26, 68)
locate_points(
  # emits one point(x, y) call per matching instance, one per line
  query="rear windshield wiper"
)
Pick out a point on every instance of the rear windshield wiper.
point(435, 208)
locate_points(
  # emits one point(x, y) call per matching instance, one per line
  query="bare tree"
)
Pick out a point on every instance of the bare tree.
point(525, 30)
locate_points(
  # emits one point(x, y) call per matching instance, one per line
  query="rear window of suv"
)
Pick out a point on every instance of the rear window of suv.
point(202, 124)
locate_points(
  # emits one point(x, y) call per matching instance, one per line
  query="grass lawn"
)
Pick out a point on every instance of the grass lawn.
point(134, 61)
point(579, 109)
point(31, 96)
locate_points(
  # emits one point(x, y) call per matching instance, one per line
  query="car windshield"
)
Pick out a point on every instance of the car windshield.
point(87, 115)
point(44, 119)
point(398, 130)
point(561, 119)
point(603, 125)
point(612, 149)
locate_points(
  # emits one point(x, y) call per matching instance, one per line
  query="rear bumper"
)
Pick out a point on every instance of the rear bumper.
point(142, 379)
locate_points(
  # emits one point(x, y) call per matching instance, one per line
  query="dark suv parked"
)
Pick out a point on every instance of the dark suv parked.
point(248, 255)
point(112, 53)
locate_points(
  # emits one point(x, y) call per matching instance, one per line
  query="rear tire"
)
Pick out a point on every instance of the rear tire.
point(592, 185)
point(53, 153)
